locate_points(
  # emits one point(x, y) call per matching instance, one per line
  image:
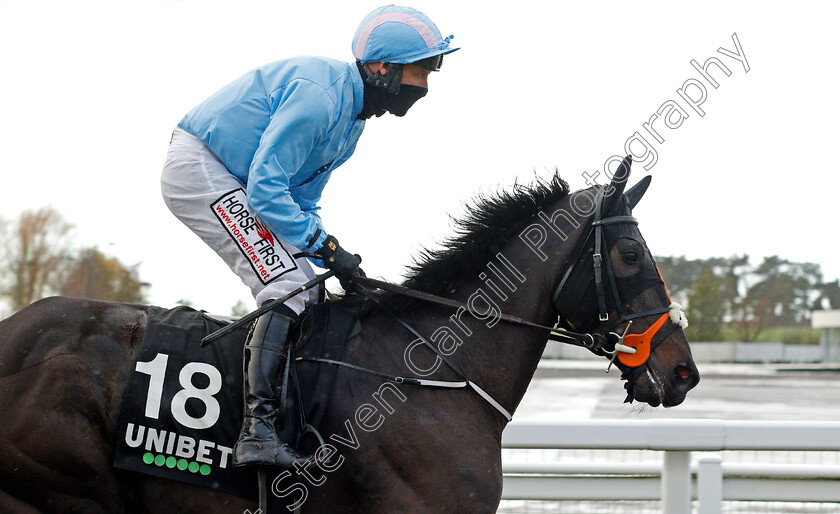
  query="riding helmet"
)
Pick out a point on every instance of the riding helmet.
point(399, 35)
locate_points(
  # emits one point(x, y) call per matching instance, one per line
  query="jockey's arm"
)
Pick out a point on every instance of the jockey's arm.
point(302, 120)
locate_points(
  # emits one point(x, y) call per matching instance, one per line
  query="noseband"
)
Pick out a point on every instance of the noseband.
point(632, 350)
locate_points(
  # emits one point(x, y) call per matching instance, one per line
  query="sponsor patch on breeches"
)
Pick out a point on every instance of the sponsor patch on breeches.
point(264, 252)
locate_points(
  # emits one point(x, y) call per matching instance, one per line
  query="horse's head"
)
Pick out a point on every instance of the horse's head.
point(612, 287)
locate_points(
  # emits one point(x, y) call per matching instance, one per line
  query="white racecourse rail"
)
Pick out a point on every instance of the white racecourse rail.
point(672, 482)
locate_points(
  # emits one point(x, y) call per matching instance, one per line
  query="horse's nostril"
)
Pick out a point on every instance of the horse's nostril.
point(683, 372)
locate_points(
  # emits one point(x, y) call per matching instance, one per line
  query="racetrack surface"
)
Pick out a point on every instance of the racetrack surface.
point(574, 390)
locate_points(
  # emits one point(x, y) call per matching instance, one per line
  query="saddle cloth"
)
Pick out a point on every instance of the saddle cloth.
point(182, 408)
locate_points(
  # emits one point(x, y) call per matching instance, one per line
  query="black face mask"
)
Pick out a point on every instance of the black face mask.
point(377, 102)
point(399, 104)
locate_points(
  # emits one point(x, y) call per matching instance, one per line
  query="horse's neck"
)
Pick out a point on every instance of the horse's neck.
point(498, 356)
point(512, 351)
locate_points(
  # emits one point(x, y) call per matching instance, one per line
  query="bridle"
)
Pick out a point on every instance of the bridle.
point(632, 350)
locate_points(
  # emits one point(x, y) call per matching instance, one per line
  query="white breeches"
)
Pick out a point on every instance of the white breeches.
point(207, 198)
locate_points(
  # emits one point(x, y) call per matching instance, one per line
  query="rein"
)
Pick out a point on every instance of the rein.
point(595, 342)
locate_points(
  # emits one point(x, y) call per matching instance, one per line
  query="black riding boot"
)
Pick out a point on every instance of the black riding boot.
point(263, 362)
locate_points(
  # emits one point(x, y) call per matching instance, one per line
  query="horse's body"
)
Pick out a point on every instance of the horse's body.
point(64, 364)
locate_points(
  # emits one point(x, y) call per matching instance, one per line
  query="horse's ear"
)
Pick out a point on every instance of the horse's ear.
point(637, 192)
point(616, 187)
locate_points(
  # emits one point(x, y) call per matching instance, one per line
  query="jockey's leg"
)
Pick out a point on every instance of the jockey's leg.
point(264, 360)
point(193, 182)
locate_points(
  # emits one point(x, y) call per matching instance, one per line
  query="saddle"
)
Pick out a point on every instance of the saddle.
point(322, 333)
point(182, 408)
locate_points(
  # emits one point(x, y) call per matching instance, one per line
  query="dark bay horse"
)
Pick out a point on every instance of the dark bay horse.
point(532, 252)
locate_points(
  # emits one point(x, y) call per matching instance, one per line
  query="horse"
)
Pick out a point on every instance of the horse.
point(574, 262)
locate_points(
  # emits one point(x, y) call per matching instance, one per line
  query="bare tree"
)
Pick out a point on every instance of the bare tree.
point(33, 255)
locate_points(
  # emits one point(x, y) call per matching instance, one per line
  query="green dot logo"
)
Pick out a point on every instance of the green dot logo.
point(172, 463)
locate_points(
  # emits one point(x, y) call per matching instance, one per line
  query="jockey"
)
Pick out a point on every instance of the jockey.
point(245, 170)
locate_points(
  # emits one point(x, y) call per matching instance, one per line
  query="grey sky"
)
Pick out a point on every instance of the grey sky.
point(90, 92)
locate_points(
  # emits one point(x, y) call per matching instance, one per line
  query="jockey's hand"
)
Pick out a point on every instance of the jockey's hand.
point(343, 263)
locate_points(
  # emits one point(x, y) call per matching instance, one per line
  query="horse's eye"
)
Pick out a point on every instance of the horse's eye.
point(630, 257)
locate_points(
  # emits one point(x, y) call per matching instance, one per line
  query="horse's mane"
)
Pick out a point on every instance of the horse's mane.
point(491, 221)
point(489, 224)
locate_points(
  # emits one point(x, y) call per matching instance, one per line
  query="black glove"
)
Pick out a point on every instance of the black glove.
point(343, 263)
